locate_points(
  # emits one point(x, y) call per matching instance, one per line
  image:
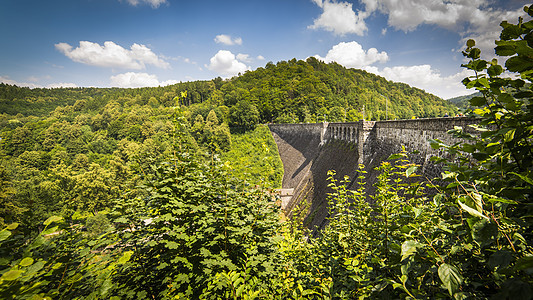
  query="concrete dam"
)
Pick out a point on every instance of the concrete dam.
point(309, 151)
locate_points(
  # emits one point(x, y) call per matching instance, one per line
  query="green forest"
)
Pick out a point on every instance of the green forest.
point(167, 192)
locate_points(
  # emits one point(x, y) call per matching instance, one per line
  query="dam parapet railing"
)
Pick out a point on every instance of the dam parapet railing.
point(351, 131)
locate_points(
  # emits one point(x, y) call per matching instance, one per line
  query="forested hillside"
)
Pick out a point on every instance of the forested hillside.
point(310, 91)
point(289, 91)
point(462, 101)
point(81, 157)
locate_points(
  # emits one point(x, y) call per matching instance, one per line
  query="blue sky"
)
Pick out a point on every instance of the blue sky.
point(135, 43)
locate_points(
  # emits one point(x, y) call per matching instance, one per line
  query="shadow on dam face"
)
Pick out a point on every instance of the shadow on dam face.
point(309, 151)
point(307, 158)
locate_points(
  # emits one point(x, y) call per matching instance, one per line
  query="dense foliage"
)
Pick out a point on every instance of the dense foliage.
point(289, 91)
point(82, 158)
point(254, 158)
point(310, 91)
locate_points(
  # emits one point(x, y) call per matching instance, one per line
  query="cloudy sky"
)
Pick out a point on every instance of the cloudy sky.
point(135, 43)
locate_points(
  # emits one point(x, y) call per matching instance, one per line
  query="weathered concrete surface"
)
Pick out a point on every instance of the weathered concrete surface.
point(285, 196)
point(309, 151)
point(300, 145)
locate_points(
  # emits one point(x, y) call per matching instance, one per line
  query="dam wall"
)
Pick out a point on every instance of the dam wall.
point(309, 151)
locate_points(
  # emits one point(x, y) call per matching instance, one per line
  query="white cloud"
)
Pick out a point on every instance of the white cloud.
point(33, 78)
point(153, 3)
point(471, 19)
point(225, 63)
point(339, 18)
point(485, 29)
point(426, 78)
point(244, 58)
point(260, 57)
point(228, 40)
point(33, 85)
point(352, 55)
point(407, 15)
point(7, 80)
point(112, 55)
point(62, 85)
point(134, 80)
point(475, 19)
point(318, 2)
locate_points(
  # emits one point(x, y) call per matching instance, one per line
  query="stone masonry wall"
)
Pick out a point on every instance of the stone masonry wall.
point(308, 151)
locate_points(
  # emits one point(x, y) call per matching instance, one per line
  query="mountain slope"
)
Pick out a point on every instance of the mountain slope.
point(308, 90)
point(289, 91)
point(462, 101)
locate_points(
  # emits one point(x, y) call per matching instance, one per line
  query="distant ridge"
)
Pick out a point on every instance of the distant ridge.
point(462, 101)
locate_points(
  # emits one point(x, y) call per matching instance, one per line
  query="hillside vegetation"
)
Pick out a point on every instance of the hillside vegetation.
point(289, 91)
point(310, 91)
point(463, 101)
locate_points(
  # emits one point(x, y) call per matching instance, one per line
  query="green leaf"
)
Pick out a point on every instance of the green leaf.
point(51, 230)
point(11, 275)
point(396, 156)
point(438, 198)
point(448, 174)
point(409, 248)
point(121, 220)
point(450, 277)
point(510, 31)
point(27, 261)
point(468, 148)
point(474, 53)
point(518, 64)
point(506, 98)
point(239, 291)
point(493, 199)
point(404, 278)
point(480, 156)
point(500, 259)
point(484, 232)
point(12, 226)
point(470, 43)
point(172, 245)
point(509, 135)
point(4, 234)
point(39, 240)
point(495, 70)
point(436, 144)
point(478, 201)
point(524, 263)
point(525, 178)
point(34, 268)
point(105, 287)
point(504, 49)
point(417, 211)
point(471, 211)
point(52, 219)
point(411, 170)
point(484, 82)
point(125, 257)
